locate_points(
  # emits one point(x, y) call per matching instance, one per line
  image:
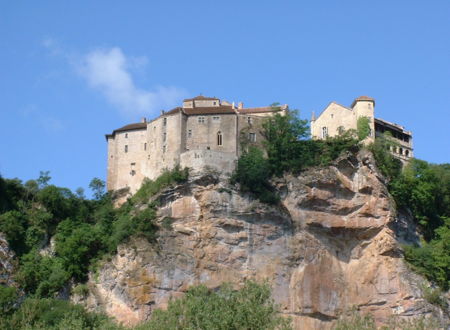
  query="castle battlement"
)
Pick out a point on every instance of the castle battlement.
point(205, 132)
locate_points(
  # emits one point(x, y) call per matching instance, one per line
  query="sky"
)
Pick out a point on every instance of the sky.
point(73, 71)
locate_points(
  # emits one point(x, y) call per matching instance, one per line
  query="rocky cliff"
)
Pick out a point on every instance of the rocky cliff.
point(331, 244)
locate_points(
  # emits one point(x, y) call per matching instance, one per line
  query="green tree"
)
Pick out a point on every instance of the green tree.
point(98, 188)
point(281, 134)
point(253, 174)
point(227, 309)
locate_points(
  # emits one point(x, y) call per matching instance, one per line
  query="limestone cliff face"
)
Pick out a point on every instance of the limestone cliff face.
point(331, 244)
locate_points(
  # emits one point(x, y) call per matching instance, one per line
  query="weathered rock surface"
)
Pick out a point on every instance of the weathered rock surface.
point(329, 246)
point(8, 263)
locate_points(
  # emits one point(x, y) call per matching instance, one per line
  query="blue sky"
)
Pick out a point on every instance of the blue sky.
point(72, 71)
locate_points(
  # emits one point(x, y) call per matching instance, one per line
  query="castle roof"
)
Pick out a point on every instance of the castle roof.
point(262, 109)
point(126, 128)
point(363, 98)
point(201, 97)
point(222, 109)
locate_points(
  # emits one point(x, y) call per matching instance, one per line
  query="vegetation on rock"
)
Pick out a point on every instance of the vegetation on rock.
point(201, 308)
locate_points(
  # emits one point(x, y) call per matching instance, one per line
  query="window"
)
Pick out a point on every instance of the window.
point(324, 132)
point(164, 149)
point(164, 136)
point(201, 120)
point(219, 138)
point(252, 137)
point(341, 130)
point(126, 135)
point(401, 151)
point(249, 120)
point(407, 153)
point(133, 171)
point(189, 133)
point(145, 146)
point(126, 148)
point(216, 119)
point(214, 103)
point(164, 121)
point(332, 115)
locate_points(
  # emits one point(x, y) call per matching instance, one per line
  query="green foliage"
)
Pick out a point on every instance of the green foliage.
point(84, 230)
point(424, 189)
point(286, 149)
point(281, 135)
point(81, 290)
point(201, 308)
point(354, 320)
point(98, 188)
point(363, 127)
point(41, 275)
point(8, 298)
point(150, 187)
point(432, 259)
point(389, 165)
point(55, 314)
point(253, 174)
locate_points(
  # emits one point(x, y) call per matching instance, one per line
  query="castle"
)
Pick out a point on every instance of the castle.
point(204, 133)
point(336, 118)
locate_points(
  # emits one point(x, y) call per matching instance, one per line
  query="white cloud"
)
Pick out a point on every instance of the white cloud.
point(108, 71)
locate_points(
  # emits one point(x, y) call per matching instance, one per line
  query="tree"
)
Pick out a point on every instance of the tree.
point(281, 133)
point(98, 188)
point(44, 178)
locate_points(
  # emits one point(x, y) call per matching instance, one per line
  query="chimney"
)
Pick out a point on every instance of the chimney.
point(162, 112)
point(240, 105)
point(313, 117)
point(143, 120)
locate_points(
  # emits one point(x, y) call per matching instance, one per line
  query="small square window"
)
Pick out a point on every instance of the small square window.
point(164, 136)
point(189, 133)
point(201, 120)
point(126, 135)
point(216, 119)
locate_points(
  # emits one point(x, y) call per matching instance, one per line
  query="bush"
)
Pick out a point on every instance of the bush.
point(56, 314)
point(202, 308)
point(253, 174)
point(150, 187)
point(8, 298)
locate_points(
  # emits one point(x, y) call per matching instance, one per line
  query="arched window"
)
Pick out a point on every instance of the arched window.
point(407, 153)
point(219, 138)
point(401, 151)
point(324, 132)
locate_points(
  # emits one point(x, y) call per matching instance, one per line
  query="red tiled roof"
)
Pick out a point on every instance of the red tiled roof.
point(363, 98)
point(172, 112)
point(260, 110)
point(129, 127)
point(223, 109)
point(201, 97)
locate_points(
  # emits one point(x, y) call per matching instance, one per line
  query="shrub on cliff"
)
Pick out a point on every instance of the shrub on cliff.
point(202, 308)
point(253, 174)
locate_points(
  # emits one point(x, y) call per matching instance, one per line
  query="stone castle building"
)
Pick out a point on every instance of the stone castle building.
point(204, 132)
point(336, 118)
